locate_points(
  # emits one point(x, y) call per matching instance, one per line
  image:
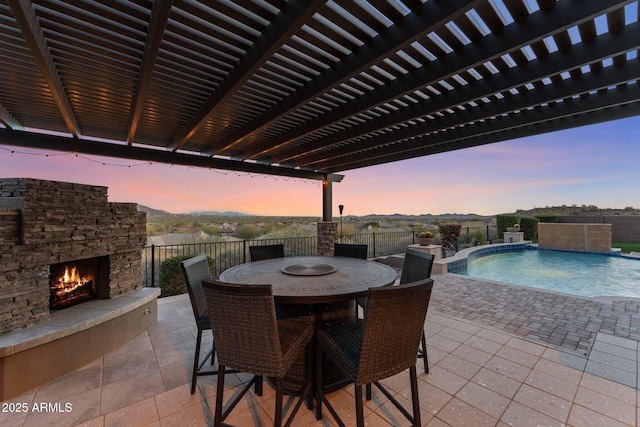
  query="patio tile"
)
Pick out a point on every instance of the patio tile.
point(521, 416)
point(544, 402)
point(122, 367)
point(484, 344)
point(611, 372)
point(445, 380)
point(497, 382)
point(175, 400)
point(615, 350)
point(583, 417)
point(499, 337)
point(603, 404)
point(518, 356)
point(556, 386)
point(610, 388)
point(565, 358)
point(508, 368)
point(472, 354)
point(629, 365)
point(196, 415)
point(460, 366)
point(141, 413)
point(484, 399)
point(526, 346)
point(83, 407)
point(134, 389)
point(558, 370)
point(460, 414)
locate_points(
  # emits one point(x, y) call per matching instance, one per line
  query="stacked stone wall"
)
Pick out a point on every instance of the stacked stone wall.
point(61, 222)
point(327, 237)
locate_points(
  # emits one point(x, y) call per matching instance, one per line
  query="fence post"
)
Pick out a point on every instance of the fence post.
point(153, 266)
point(374, 244)
point(244, 251)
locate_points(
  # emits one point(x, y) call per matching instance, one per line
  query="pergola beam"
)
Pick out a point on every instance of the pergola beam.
point(123, 151)
point(294, 14)
point(160, 12)
point(28, 22)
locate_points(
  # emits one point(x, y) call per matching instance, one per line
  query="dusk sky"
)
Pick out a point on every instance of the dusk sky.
point(594, 165)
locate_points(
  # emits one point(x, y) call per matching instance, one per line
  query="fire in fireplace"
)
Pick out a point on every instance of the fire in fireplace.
point(76, 282)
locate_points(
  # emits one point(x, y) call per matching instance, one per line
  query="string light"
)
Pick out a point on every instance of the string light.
point(150, 163)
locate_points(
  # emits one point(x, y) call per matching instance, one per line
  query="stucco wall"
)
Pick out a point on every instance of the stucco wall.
point(623, 228)
point(575, 237)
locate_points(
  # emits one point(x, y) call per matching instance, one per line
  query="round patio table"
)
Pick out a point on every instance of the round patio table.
point(319, 288)
point(313, 280)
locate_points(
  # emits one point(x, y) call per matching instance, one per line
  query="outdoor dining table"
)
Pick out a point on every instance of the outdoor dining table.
point(322, 287)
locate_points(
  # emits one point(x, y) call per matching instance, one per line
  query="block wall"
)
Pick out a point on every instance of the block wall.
point(575, 237)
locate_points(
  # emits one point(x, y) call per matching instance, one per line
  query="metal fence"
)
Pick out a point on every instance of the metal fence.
point(229, 254)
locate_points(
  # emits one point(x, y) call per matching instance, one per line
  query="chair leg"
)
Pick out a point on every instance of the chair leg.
point(359, 406)
point(425, 359)
point(319, 393)
point(217, 419)
point(277, 419)
point(196, 362)
point(414, 396)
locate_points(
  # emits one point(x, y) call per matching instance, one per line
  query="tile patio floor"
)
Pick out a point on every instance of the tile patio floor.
point(499, 355)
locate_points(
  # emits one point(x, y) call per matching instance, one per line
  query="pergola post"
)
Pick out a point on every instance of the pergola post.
point(327, 228)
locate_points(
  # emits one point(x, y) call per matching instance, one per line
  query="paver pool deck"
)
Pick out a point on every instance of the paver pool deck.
point(499, 355)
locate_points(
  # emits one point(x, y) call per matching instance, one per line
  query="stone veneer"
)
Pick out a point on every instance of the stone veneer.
point(49, 222)
point(575, 237)
point(327, 237)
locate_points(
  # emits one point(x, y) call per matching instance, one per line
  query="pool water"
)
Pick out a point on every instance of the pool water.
point(570, 272)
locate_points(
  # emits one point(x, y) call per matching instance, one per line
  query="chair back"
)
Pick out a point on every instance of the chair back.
point(417, 266)
point(195, 270)
point(258, 253)
point(350, 251)
point(244, 326)
point(393, 327)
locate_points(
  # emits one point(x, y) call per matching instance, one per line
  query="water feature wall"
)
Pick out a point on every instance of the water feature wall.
point(575, 237)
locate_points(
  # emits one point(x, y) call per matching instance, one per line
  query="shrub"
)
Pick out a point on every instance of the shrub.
point(506, 220)
point(477, 237)
point(449, 235)
point(529, 225)
point(171, 277)
point(248, 232)
point(548, 218)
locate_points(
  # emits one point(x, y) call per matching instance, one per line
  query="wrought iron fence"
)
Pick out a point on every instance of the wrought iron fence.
point(229, 254)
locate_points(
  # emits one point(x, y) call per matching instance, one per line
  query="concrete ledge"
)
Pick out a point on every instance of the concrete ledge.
point(72, 338)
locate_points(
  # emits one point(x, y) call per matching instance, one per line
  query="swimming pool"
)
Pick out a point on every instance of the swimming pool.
point(583, 274)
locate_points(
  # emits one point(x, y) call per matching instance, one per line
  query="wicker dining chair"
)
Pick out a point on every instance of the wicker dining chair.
point(351, 251)
point(195, 270)
point(417, 266)
point(251, 339)
point(381, 345)
point(260, 252)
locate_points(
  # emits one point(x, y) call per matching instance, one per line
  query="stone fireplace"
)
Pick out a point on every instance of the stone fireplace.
point(70, 279)
point(48, 223)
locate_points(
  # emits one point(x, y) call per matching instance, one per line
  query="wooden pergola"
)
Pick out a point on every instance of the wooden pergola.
point(308, 88)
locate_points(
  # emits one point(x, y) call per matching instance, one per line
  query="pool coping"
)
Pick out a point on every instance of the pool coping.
point(458, 262)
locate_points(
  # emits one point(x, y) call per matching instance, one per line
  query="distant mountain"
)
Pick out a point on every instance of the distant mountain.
point(151, 211)
point(216, 213)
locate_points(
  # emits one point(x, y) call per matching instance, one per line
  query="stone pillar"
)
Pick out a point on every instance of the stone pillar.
point(327, 236)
